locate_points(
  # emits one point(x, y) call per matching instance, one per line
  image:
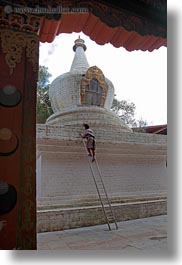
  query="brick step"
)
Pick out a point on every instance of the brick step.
point(61, 142)
point(102, 135)
point(77, 148)
point(67, 218)
point(99, 149)
point(94, 201)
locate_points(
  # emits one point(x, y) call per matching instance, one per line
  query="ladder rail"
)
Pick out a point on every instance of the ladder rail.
point(109, 203)
point(94, 178)
point(112, 216)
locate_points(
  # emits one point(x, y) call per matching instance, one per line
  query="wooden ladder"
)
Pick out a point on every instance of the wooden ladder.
point(102, 193)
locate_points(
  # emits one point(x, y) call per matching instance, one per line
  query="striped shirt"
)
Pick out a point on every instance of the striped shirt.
point(88, 133)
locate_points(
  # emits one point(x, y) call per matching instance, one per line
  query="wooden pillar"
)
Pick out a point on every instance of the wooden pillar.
point(19, 47)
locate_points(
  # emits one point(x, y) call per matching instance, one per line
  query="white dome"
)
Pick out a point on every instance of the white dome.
point(65, 91)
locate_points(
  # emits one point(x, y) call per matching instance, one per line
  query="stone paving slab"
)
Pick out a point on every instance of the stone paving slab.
point(135, 236)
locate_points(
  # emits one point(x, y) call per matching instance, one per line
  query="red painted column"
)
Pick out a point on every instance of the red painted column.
point(18, 80)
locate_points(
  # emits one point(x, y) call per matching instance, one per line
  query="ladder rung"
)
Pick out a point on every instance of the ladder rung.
point(111, 220)
point(103, 196)
point(109, 214)
point(106, 205)
point(100, 185)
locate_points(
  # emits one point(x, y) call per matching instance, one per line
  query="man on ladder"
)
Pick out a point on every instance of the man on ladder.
point(89, 135)
point(97, 176)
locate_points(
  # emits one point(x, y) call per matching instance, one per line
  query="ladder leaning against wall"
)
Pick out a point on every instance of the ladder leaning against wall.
point(102, 193)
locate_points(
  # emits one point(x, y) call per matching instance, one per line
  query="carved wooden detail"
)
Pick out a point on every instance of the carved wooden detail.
point(18, 32)
point(22, 21)
point(146, 17)
point(13, 43)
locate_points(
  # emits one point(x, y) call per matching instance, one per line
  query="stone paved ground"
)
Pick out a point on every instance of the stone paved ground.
point(147, 235)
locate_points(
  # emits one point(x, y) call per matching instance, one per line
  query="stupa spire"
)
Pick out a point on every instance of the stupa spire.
point(80, 61)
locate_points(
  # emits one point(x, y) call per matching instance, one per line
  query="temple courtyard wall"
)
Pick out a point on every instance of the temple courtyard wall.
point(133, 166)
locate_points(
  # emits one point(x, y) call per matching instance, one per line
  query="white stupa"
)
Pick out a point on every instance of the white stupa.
point(132, 164)
point(83, 95)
